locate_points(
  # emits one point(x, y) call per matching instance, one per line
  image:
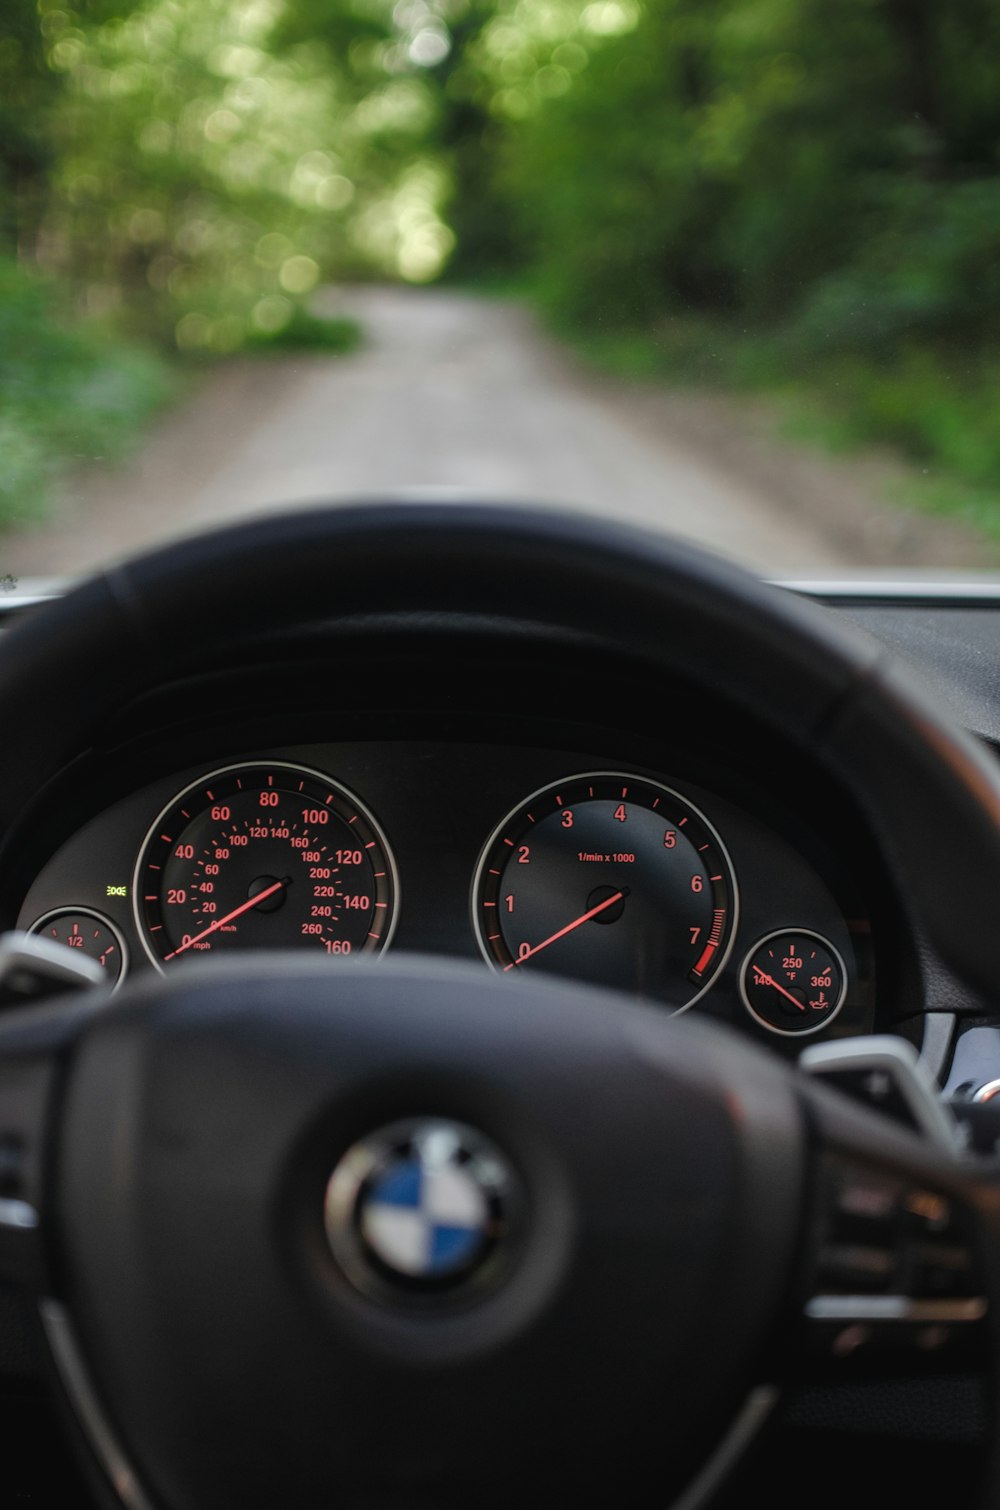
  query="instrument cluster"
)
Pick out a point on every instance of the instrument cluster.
point(533, 860)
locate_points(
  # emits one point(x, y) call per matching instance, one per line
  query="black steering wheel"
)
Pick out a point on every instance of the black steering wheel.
point(641, 1212)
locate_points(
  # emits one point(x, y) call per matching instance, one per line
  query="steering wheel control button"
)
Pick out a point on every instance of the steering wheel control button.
point(898, 1261)
point(420, 1207)
point(793, 983)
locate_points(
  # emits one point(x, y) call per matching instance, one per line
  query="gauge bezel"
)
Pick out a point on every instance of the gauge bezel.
point(625, 776)
point(835, 954)
point(100, 917)
point(254, 764)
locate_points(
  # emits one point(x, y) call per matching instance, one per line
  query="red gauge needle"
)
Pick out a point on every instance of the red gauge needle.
point(763, 979)
point(610, 901)
point(236, 912)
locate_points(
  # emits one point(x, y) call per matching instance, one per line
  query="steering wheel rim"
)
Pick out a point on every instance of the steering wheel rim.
point(671, 604)
point(681, 610)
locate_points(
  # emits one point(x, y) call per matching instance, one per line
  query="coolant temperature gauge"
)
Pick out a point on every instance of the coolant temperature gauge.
point(793, 982)
point(89, 933)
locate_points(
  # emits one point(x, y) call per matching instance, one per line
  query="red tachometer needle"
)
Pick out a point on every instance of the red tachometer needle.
point(610, 901)
point(763, 979)
point(220, 922)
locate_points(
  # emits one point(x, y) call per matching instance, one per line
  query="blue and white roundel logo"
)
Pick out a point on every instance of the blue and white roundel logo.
point(424, 1218)
point(421, 1202)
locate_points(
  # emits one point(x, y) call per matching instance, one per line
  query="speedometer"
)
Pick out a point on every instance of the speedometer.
point(611, 879)
point(264, 856)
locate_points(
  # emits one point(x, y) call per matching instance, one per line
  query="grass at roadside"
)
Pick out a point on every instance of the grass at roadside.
point(74, 392)
point(306, 331)
point(935, 407)
point(69, 392)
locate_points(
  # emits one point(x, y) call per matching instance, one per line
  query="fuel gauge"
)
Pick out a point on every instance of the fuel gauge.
point(793, 982)
point(89, 932)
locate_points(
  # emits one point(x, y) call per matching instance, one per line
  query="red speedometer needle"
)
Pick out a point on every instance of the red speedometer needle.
point(610, 901)
point(763, 979)
point(221, 922)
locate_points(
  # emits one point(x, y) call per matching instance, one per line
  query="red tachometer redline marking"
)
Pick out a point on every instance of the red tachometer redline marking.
point(585, 917)
point(709, 950)
point(236, 912)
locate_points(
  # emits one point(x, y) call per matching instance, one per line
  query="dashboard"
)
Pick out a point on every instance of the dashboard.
point(521, 857)
point(442, 735)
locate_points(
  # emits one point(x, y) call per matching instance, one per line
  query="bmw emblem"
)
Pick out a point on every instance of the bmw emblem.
point(420, 1206)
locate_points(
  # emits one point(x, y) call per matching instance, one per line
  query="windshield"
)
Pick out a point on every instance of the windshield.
point(729, 268)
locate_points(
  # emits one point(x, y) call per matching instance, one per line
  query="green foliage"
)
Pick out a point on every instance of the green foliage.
point(308, 332)
point(68, 392)
point(800, 195)
point(796, 195)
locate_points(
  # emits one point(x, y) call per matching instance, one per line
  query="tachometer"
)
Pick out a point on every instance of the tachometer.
point(611, 879)
point(264, 856)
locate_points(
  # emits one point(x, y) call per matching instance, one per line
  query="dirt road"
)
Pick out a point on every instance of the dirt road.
point(454, 392)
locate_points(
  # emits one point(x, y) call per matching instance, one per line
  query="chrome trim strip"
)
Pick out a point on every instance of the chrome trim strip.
point(18, 1214)
point(893, 1308)
point(82, 1396)
point(15, 602)
point(933, 592)
point(756, 1409)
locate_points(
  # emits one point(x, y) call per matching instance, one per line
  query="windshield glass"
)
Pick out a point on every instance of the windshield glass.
point(724, 267)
